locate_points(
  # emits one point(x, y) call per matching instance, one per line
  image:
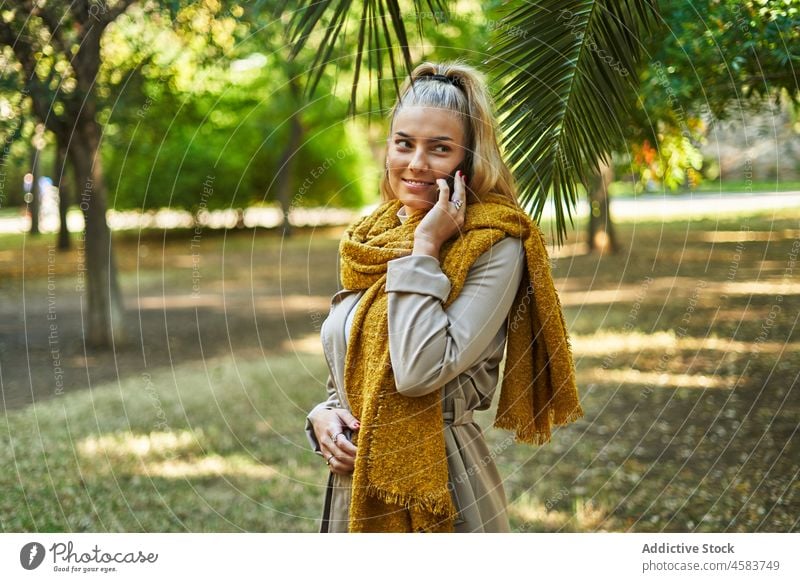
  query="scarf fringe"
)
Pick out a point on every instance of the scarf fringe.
point(525, 432)
point(439, 505)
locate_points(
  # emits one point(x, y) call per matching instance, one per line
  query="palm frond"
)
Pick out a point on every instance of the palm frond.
point(380, 30)
point(566, 72)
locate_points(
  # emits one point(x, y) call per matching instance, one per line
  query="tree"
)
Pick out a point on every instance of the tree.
point(57, 47)
point(55, 52)
point(715, 54)
point(712, 59)
point(709, 60)
point(60, 182)
point(37, 145)
point(178, 115)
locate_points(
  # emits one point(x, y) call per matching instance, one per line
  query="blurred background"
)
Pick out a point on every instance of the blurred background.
point(175, 178)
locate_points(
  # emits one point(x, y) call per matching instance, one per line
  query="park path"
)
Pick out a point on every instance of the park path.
point(623, 209)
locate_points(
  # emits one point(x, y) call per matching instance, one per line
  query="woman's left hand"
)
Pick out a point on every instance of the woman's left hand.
point(443, 220)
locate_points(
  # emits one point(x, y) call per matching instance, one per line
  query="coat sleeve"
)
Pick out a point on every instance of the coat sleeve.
point(331, 402)
point(430, 345)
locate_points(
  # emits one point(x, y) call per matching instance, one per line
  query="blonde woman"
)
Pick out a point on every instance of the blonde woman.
point(441, 281)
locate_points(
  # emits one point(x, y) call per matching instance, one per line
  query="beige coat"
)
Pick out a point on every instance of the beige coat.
point(457, 351)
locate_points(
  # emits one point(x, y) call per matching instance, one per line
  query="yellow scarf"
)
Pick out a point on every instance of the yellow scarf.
point(400, 482)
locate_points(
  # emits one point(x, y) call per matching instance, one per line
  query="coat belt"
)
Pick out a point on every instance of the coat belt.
point(457, 413)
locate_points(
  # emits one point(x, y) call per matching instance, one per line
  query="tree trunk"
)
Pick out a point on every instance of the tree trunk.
point(286, 163)
point(105, 309)
point(60, 182)
point(600, 236)
point(285, 180)
point(33, 206)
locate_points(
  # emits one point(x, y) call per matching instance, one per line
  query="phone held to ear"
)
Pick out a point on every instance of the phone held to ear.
point(451, 180)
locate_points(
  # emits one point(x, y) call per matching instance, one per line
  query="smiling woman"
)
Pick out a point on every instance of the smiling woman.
point(427, 145)
point(441, 123)
point(415, 339)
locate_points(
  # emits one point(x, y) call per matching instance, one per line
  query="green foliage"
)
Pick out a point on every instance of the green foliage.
point(713, 60)
point(674, 160)
point(722, 57)
point(164, 158)
point(181, 117)
point(186, 91)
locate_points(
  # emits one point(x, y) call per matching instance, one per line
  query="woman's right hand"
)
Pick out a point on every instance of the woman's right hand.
point(444, 219)
point(328, 425)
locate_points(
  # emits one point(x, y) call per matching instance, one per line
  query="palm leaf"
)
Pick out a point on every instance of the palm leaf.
point(380, 30)
point(567, 77)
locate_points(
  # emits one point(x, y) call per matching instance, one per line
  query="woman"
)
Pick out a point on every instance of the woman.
point(438, 281)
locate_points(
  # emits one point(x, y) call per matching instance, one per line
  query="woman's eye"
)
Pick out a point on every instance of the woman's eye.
point(402, 141)
point(446, 149)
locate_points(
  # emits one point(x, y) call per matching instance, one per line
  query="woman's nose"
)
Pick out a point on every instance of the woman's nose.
point(418, 161)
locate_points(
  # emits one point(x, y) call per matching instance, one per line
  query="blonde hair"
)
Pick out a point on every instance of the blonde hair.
point(465, 92)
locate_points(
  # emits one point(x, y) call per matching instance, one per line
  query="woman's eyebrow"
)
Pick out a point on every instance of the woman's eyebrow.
point(436, 138)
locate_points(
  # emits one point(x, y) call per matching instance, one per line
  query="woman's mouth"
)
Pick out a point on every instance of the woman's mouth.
point(417, 184)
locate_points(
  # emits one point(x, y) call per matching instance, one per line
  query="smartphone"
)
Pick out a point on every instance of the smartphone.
point(451, 180)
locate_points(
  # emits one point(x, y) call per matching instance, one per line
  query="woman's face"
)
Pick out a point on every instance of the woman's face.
point(426, 144)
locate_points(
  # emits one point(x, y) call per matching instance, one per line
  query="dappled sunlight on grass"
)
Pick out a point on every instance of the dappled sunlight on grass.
point(580, 292)
point(171, 455)
point(294, 303)
point(771, 288)
point(127, 444)
point(589, 515)
point(567, 250)
point(308, 344)
point(584, 515)
point(535, 517)
point(725, 236)
point(162, 302)
point(211, 466)
point(599, 296)
point(604, 343)
point(275, 304)
point(637, 379)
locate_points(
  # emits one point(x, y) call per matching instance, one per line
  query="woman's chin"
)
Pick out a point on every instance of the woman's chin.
point(416, 203)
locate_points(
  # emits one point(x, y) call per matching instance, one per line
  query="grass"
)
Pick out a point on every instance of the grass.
point(201, 450)
point(687, 373)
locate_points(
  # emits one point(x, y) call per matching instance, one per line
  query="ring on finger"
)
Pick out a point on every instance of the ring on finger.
point(458, 204)
point(336, 436)
point(329, 459)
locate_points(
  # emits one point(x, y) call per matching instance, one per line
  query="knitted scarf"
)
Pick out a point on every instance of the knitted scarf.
point(400, 481)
